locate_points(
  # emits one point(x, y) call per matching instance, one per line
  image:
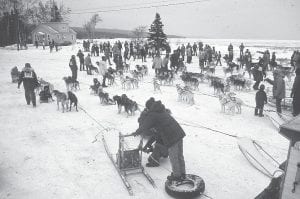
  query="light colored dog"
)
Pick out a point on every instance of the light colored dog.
point(231, 103)
point(61, 98)
point(185, 94)
point(156, 85)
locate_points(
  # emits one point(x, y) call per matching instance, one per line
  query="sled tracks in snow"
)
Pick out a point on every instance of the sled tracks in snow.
point(127, 162)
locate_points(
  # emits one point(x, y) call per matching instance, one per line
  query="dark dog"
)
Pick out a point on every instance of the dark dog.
point(119, 101)
point(218, 84)
point(93, 68)
point(130, 106)
point(71, 84)
point(104, 98)
point(73, 100)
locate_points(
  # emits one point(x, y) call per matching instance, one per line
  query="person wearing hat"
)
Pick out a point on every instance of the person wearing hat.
point(157, 63)
point(80, 55)
point(88, 64)
point(102, 70)
point(257, 75)
point(171, 134)
point(261, 100)
point(158, 149)
point(30, 82)
point(278, 88)
point(295, 94)
point(73, 67)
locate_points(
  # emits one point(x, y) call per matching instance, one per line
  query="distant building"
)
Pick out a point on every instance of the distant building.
point(60, 32)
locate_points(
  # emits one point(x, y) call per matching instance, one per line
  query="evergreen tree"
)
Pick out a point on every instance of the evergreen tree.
point(157, 37)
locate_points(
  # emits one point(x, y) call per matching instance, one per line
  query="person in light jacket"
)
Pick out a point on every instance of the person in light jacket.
point(157, 63)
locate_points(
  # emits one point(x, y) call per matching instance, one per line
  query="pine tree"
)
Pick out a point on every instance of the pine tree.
point(157, 37)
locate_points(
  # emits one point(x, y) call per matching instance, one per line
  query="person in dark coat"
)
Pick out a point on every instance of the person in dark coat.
point(155, 143)
point(171, 134)
point(73, 67)
point(257, 75)
point(30, 82)
point(296, 93)
point(261, 100)
point(278, 88)
point(80, 55)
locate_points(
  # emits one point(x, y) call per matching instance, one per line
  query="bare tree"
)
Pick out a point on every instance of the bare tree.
point(90, 26)
point(139, 33)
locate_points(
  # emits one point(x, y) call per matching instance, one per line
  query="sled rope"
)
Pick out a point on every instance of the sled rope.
point(204, 127)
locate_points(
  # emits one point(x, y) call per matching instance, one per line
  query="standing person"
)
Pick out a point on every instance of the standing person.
point(44, 44)
point(189, 54)
point(195, 47)
point(248, 61)
point(97, 50)
point(36, 44)
point(230, 53)
point(219, 56)
point(157, 63)
point(165, 63)
point(88, 64)
point(257, 75)
point(30, 82)
point(80, 55)
point(126, 53)
point(273, 62)
point(171, 134)
point(103, 70)
point(73, 67)
point(278, 88)
point(296, 93)
point(174, 60)
point(107, 54)
point(143, 54)
point(201, 60)
point(51, 45)
point(182, 51)
point(241, 49)
point(261, 100)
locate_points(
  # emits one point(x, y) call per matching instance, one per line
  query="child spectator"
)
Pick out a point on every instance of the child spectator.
point(261, 99)
point(45, 95)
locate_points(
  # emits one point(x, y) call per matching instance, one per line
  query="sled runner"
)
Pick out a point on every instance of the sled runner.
point(258, 157)
point(191, 187)
point(128, 162)
point(276, 119)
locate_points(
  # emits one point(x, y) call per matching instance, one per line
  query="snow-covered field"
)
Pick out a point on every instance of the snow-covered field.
point(49, 154)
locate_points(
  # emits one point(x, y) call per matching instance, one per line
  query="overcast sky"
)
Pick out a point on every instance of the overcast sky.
point(236, 19)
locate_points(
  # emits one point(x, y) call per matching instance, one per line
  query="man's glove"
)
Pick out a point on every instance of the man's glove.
point(147, 149)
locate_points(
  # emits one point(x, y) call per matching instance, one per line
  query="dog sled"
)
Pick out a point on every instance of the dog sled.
point(258, 157)
point(128, 161)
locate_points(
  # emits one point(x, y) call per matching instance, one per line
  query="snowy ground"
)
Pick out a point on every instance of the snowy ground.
point(48, 154)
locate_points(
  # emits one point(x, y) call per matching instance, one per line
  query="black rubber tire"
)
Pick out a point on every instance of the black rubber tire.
point(198, 187)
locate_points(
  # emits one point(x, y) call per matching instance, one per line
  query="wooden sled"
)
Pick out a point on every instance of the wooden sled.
point(258, 157)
